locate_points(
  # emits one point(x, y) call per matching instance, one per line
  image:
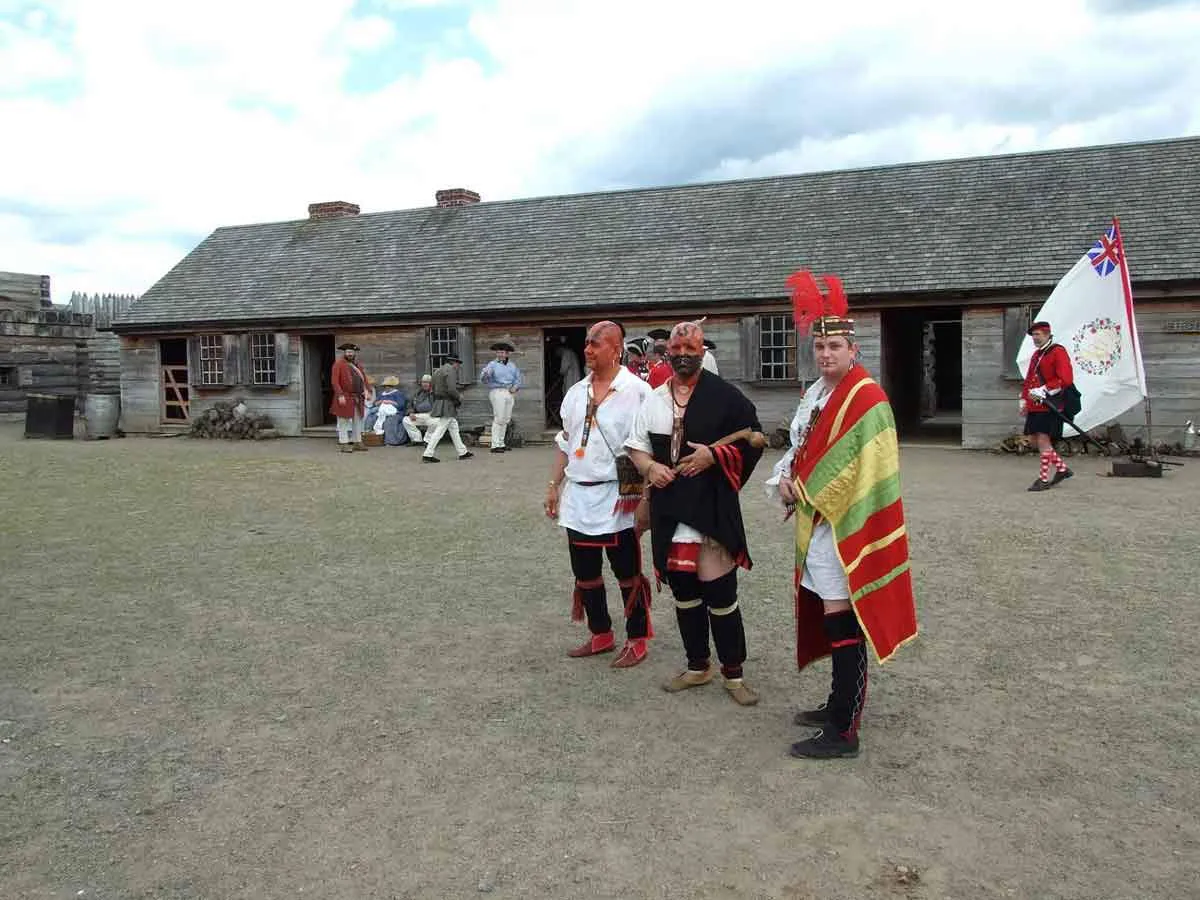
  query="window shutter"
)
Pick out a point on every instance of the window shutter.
point(1016, 322)
point(422, 354)
point(806, 362)
point(232, 344)
point(282, 375)
point(466, 352)
point(193, 361)
point(749, 335)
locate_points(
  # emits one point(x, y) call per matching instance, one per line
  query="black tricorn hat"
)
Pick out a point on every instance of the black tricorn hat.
point(709, 345)
point(504, 345)
point(1043, 325)
point(348, 346)
point(659, 334)
point(452, 358)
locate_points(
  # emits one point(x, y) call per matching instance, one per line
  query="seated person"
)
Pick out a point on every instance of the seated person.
point(391, 402)
point(418, 408)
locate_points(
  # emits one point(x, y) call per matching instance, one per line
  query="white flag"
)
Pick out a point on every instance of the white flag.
point(1091, 315)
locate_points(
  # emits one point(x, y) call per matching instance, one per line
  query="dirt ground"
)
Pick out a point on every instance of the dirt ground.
point(267, 670)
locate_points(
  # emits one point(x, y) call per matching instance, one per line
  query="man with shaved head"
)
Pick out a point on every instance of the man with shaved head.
point(696, 530)
point(591, 499)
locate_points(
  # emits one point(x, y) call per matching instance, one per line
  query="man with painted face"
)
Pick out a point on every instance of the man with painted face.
point(841, 478)
point(587, 496)
point(696, 530)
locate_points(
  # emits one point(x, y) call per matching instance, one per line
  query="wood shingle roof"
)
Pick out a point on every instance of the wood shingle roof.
point(973, 225)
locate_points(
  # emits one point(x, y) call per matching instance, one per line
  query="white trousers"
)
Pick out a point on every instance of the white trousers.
point(349, 429)
point(502, 407)
point(385, 411)
point(414, 423)
point(439, 427)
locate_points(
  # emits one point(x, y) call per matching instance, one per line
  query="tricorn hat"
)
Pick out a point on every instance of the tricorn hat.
point(822, 313)
point(659, 334)
point(635, 347)
point(349, 345)
point(452, 358)
point(391, 381)
point(1036, 326)
point(709, 345)
point(503, 345)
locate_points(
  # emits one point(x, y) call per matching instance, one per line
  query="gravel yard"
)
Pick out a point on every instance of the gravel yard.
point(269, 670)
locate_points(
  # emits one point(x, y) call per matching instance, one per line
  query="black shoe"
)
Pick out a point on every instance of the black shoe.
point(825, 745)
point(497, 450)
point(1040, 485)
point(1061, 476)
point(426, 459)
point(817, 718)
point(467, 455)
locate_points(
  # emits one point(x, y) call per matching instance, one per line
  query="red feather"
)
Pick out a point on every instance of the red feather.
point(807, 303)
point(835, 298)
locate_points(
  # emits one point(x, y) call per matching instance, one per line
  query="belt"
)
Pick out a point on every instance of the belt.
point(594, 483)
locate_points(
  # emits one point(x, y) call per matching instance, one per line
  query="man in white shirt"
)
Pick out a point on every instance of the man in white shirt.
point(588, 497)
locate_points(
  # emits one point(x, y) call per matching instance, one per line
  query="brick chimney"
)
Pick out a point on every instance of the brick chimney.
point(456, 197)
point(336, 209)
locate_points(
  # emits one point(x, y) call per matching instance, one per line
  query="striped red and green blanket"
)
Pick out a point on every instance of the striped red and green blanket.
point(848, 473)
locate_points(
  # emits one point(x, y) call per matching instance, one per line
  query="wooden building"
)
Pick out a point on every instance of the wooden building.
point(944, 263)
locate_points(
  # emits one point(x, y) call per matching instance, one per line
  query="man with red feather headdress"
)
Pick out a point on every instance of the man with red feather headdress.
point(841, 479)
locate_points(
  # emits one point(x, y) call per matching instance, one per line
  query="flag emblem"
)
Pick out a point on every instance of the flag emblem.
point(1106, 252)
point(1097, 345)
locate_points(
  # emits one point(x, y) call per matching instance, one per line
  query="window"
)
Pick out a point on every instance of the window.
point(212, 359)
point(262, 358)
point(443, 342)
point(776, 348)
point(8, 376)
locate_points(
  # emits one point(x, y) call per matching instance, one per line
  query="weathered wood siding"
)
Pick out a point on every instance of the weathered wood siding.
point(104, 362)
point(1171, 358)
point(41, 351)
point(401, 352)
point(141, 398)
point(141, 389)
point(22, 292)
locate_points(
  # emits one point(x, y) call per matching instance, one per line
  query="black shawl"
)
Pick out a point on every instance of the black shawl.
point(707, 502)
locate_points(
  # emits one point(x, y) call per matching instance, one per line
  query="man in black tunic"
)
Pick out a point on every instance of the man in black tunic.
point(696, 531)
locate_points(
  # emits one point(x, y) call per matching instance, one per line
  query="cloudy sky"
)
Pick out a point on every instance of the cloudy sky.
point(129, 129)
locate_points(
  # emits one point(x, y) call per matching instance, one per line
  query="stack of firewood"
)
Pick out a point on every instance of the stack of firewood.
point(1112, 438)
point(231, 420)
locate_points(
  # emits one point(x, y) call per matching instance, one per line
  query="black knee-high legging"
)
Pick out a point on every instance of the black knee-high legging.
point(625, 558)
point(701, 606)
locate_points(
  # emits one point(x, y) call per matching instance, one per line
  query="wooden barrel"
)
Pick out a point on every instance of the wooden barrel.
point(102, 412)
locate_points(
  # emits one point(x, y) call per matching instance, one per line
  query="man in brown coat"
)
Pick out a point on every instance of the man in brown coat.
point(349, 398)
point(444, 415)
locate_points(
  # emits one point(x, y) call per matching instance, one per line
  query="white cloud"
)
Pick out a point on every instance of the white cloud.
point(233, 111)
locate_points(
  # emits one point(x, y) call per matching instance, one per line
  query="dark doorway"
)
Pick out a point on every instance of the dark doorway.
point(318, 386)
point(922, 370)
point(173, 376)
point(562, 361)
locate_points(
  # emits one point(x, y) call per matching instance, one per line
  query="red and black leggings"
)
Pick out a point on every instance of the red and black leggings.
point(625, 558)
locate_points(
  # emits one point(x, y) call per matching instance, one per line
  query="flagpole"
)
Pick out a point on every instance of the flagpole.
point(1134, 339)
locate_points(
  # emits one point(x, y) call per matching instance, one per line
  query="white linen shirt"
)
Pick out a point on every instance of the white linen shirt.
point(590, 509)
point(823, 572)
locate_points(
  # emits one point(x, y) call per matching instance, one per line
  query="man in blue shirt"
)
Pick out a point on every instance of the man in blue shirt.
point(503, 380)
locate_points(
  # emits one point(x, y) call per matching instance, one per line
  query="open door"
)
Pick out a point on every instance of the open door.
point(563, 365)
point(173, 381)
point(318, 384)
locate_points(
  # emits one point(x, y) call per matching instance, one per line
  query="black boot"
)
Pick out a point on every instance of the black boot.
point(825, 744)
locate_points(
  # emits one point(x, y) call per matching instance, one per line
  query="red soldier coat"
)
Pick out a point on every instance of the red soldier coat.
point(349, 392)
point(1050, 367)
